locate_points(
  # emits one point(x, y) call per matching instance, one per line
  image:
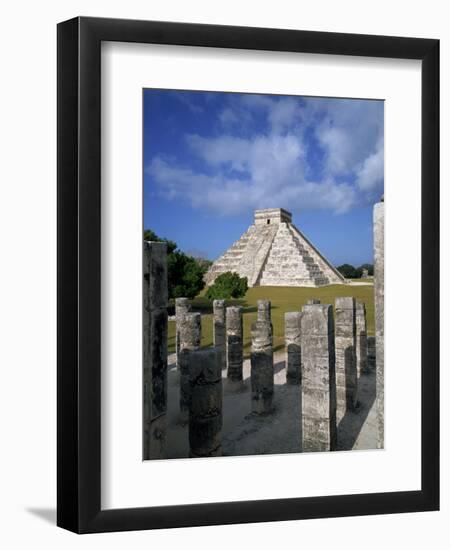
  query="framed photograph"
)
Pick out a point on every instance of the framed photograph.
point(248, 275)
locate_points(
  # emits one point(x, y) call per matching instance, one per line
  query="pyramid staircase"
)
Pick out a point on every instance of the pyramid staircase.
point(289, 263)
point(246, 255)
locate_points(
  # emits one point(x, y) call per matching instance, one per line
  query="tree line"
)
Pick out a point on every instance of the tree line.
point(351, 272)
point(185, 274)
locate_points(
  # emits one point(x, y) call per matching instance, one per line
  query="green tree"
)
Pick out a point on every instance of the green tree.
point(184, 273)
point(348, 271)
point(150, 235)
point(369, 268)
point(226, 286)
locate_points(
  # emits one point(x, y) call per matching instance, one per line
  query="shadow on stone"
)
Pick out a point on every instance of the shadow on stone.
point(278, 366)
point(350, 378)
point(351, 424)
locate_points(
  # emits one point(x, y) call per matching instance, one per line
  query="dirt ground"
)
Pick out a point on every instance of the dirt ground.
point(244, 433)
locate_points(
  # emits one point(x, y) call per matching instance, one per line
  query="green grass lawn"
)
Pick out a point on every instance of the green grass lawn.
point(283, 299)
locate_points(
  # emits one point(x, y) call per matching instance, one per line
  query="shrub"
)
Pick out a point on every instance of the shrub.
point(226, 286)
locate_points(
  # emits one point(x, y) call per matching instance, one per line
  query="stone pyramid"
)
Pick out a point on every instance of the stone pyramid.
point(273, 252)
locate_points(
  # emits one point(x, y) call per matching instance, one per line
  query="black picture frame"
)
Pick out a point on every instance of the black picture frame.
point(79, 280)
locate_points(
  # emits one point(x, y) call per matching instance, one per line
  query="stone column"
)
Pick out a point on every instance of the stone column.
point(261, 360)
point(361, 338)
point(312, 302)
point(235, 350)
point(292, 342)
point(220, 330)
point(378, 242)
point(264, 310)
point(345, 343)
point(190, 326)
point(155, 350)
point(318, 379)
point(205, 407)
point(371, 354)
point(182, 307)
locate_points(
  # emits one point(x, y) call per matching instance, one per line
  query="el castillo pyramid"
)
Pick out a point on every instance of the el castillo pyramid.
point(273, 252)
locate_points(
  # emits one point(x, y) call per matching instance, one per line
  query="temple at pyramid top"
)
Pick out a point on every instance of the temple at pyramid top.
point(273, 252)
point(272, 215)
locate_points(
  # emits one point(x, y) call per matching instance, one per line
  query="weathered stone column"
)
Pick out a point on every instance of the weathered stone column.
point(155, 350)
point(292, 342)
point(182, 307)
point(318, 379)
point(220, 330)
point(345, 343)
point(312, 302)
point(205, 408)
point(361, 338)
point(264, 311)
point(371, 354)
point(261, 360)
point(378, 242)
point(235, 350)
point(190, 338)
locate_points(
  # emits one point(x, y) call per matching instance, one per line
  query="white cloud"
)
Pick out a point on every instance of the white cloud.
point(228, 117)
point(274, 175)
point(184, 98)
point(370, 175)
point(220, 151)
point(349, 132)
point(270, 167)
point(283, 114)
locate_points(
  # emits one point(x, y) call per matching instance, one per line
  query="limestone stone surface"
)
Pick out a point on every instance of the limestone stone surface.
point(205, 405)
point(155, 349)
point(312, 302)
point(345, 345)
point(292, 341)
point(219, 333)
point(371, 354)
point(235, 350)
point(361, 338)
point(273, 252)
point(264, 310)
point(262, 373)
point(182, 307)
point(318, 386)
point(190, 337)
point(378, 243)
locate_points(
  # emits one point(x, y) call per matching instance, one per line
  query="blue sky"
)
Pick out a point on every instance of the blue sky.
point(211, 158)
